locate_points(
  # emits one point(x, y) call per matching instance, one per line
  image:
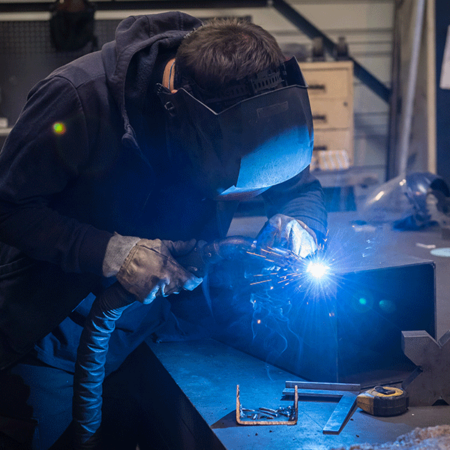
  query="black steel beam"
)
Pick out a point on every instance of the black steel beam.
point(151, 4)
point(180, 4)
point(312, 32)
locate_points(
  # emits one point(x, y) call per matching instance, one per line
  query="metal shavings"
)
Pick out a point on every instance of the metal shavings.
point(268, 410)
point(266, 413)
point(267, 416)
point(259, 282)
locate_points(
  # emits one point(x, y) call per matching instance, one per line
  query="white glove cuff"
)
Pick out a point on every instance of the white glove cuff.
point(117, 250)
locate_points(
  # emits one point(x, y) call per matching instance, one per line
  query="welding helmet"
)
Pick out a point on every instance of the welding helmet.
point(404, 201)
point(72, 24)
point(255, 133)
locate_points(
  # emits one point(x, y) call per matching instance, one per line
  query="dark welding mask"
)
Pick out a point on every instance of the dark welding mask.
point(254, 134)
point(72, 24)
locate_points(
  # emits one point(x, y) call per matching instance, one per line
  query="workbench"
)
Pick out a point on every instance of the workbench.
point(198, 379)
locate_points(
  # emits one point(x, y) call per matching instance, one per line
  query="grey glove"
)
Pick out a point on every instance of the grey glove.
point(150, 269)
point(289, 233)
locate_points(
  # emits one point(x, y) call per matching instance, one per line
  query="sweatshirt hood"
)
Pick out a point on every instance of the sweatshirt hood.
point(130, 59)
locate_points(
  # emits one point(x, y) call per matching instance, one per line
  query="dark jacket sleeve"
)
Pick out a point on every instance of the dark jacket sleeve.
point(300, 197)
point(45, 152)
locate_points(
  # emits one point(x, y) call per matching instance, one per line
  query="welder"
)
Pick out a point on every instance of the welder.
point(118, 164)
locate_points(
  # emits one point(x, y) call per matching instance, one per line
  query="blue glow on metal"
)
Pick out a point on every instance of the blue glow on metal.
point(260, 169)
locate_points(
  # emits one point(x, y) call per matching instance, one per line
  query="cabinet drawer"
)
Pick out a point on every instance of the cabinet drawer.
point(334, 140)
point(331, 113)
point(333, 83)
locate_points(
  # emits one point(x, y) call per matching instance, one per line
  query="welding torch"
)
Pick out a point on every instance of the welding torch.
point(204, 255)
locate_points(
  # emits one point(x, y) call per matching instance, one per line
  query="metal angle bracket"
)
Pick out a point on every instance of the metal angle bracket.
point(344, 394)
point(291, 420)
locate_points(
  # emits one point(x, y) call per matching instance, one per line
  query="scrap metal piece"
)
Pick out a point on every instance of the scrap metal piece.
point(342, 412)
point(266, 413)
point(346, 397)
point(269, 411)
point(429, 382)
point(324, 386)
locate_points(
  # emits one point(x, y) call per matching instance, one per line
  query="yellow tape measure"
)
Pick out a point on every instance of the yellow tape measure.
point(383, 401)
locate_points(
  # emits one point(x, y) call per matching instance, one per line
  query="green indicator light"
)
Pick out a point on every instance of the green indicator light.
point(362, 301)
point(59, 128)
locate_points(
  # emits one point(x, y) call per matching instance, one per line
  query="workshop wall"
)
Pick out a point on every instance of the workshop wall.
point(26, 55)
point(367, 28)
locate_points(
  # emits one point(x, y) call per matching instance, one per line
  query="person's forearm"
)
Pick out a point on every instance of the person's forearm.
point(301, 198)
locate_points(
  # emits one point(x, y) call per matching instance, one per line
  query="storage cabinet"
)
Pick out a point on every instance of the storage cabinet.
point(330, 88)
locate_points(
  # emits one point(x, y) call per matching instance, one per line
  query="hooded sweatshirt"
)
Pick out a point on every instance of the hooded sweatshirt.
point(86, 159)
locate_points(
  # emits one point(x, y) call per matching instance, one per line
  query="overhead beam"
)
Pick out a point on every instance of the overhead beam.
point(312, 32)
point(130, 5)
point(280, 5)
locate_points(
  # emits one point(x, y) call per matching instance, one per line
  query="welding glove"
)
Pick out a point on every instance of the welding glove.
point(151, 270)
point(286, 232)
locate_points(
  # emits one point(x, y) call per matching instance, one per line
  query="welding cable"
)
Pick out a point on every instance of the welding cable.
point(90, 366)
point(233, 247)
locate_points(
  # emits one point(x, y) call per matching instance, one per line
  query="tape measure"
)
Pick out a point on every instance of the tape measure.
point(383, 401)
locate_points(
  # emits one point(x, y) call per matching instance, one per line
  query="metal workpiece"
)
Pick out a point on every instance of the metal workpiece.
point(283, 415)
point(344, 329)
point(430, 380)
point(344, 394)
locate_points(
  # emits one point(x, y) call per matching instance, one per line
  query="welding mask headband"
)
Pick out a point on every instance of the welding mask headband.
point(236, 91)
point(256, 143)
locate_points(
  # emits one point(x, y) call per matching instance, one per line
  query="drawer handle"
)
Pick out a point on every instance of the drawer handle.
point(317, 87)
point(321, 117)
point(320, 148)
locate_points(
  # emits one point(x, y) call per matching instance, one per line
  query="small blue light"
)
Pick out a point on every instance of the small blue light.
point(317, 269)
point(387, 306)
point(362, 301)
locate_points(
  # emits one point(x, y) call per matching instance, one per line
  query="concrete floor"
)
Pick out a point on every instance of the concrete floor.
point(209, 371)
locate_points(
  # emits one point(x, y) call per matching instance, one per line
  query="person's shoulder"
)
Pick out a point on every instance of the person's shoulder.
point(81, 71)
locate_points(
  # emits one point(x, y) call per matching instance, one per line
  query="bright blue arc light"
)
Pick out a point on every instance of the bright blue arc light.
point(317, 269)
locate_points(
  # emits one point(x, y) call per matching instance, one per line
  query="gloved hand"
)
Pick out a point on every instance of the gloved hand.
point(286, 232)
point(150, 269)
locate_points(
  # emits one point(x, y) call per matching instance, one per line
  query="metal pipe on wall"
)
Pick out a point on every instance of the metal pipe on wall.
point(394, 101)
point(405, 129)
